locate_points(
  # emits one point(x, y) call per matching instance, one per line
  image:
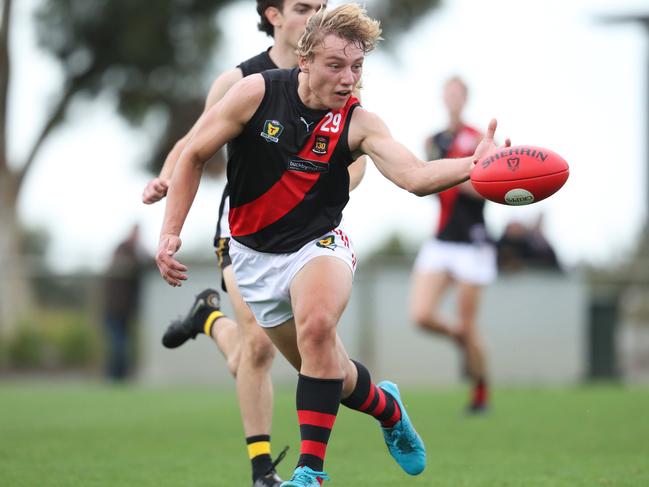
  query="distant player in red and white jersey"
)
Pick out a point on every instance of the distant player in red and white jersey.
point(460, 253)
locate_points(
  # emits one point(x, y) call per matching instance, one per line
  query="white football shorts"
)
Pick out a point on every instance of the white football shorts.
point(264, 279)
point(466, 262)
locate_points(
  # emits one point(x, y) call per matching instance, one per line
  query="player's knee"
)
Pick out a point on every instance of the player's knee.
point(317, 330)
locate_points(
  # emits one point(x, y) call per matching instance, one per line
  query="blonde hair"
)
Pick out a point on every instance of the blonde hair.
point(349, 21)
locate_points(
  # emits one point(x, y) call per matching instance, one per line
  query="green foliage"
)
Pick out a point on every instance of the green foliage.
point(146, 53)
point(27, 348)
point(35, 241)
point(53, 340)
point(153, 56)
point(397, 17)
point(392, 250)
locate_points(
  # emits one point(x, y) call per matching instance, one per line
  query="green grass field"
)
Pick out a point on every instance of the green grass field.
point(93, 435)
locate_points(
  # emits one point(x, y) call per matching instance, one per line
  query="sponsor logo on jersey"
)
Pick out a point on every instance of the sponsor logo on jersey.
point(320, 145)
point(329, 242)
point(306, 124)
point(272, 130)
point(304, 165)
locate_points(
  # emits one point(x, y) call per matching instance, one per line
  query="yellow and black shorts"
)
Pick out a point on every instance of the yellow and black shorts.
point(223, 257)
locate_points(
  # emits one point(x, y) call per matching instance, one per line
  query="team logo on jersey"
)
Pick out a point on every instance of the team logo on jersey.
point(329, 242)
point(320, 145)
point(272, 130)
point(513, 163)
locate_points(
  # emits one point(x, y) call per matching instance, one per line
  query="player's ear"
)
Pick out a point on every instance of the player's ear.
point(274, 16)
point(304, 64)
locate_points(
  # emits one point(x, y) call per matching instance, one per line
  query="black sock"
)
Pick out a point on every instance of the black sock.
point(370, 399)
point(205, 319)
point(259, 454)
point(317, 402)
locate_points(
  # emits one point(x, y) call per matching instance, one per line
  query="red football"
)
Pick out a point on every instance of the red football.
point(519, 175)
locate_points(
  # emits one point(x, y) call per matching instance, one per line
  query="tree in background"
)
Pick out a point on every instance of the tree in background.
point(151, 57)
point(148, 55)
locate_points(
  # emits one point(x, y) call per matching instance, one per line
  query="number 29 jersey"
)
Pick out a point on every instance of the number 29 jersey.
point(287, 170)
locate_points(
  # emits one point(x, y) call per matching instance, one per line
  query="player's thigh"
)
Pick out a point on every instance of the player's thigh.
point(428, 288)
point(284, 337)
point(245, 318)
point(321, 289)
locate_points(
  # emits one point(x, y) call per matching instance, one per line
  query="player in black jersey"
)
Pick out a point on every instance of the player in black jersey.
point(248, 351)
point(461, 252)
point(293, 133)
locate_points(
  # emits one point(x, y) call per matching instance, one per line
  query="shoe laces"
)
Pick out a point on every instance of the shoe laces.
point(307, 475)
point(277, 461)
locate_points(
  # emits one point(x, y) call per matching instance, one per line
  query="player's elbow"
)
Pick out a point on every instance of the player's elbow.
point(415, 187)
point(413, 181)
point(192, 159)
point(195, 160)
point(419, 192)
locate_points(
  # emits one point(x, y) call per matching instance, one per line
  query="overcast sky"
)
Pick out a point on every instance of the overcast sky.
point(552, 74)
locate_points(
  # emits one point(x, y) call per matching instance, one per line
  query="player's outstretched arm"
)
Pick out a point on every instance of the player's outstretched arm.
point(369, 133)
point(222, 123)
point(156, 189)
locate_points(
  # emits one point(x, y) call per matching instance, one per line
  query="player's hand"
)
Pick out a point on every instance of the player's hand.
point(487, 143)
point(155, 190)
point(171, 270)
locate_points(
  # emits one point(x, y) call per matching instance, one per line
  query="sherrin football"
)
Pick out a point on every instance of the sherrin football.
point(519, 175)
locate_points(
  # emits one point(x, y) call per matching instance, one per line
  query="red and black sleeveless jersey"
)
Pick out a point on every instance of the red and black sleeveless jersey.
point(462, 216)
point(256, 64)
point(287, 170)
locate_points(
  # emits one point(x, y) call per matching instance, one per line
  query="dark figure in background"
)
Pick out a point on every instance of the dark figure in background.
point(521, 247)
point(121, 297)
